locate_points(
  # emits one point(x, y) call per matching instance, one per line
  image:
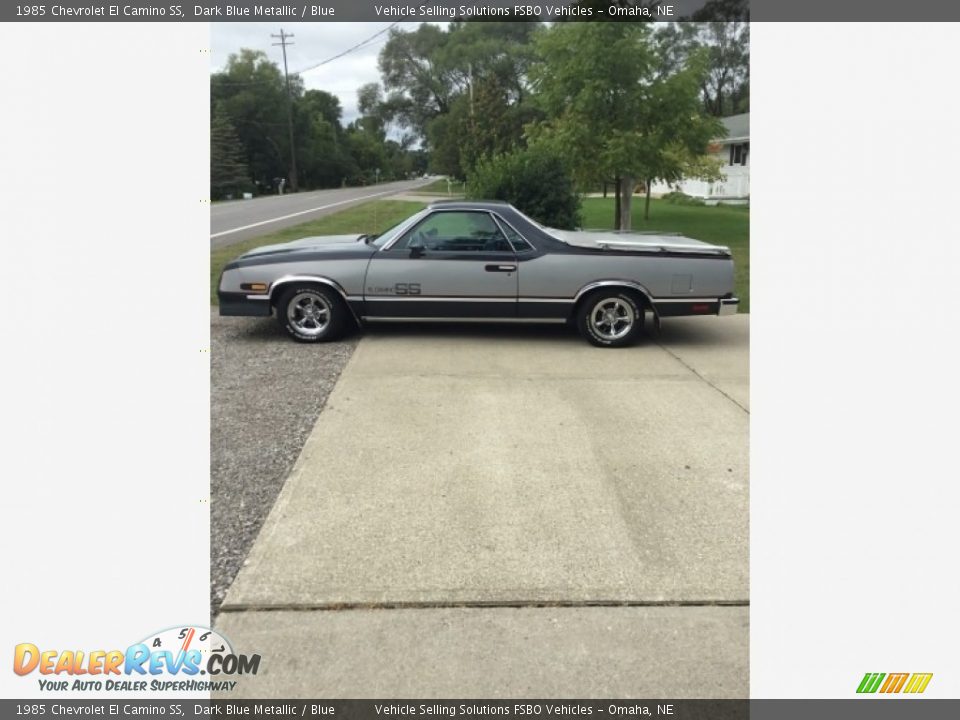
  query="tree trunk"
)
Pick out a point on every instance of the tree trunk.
point(616, 203)
point(626, 198)
point(646, 205)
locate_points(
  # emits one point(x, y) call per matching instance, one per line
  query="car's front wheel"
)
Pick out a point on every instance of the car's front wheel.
point(610, 318)
point(311, 314)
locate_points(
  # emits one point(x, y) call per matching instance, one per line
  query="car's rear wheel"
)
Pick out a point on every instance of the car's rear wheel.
point(610, 318)
point(312, 314)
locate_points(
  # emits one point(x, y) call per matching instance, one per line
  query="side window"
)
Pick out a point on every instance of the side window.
point(520, 245)
point(455, 232)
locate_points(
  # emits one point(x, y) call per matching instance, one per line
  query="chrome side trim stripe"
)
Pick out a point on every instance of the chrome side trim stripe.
point(457, 298)
point(683, 299)
point(553, 321)
point(437, 298)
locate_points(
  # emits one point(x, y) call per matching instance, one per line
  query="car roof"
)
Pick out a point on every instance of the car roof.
point(470, 204)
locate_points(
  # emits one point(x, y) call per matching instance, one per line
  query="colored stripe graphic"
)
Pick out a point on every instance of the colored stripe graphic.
point(918, 682)
point(894, 682)
point(870, 682)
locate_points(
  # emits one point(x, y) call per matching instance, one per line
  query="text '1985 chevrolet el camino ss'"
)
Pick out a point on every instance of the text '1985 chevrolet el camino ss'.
point(460, 261)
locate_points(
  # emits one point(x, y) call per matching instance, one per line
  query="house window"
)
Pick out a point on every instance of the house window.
point(738, 153)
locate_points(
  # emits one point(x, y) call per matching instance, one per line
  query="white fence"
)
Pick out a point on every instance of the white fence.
point(735, 185)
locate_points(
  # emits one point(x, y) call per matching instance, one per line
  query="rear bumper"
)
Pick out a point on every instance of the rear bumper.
point(728, 306)
point(685, 307)
point(240, 305)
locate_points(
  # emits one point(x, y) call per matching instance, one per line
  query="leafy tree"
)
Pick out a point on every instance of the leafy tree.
point(376, 113)
point(323, 155)
point(536, 181)
point(252, 93)
point(323, 104)
point(495, 122)
point(445, 139)
point(410, 64)
point(463, 92)
point(611, 118)
point(228, 169)
point(502, 50)
point(725, 86)
point(368, 153)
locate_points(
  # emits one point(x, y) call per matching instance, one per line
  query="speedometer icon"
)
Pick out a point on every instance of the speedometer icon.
point(179, 640)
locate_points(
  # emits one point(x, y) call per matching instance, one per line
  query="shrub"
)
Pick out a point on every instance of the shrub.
point(678, 198)
point(534, 181)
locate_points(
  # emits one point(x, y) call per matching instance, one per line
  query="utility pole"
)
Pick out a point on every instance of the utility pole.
point(293, 150)
point(470, 85)
point(473, 122)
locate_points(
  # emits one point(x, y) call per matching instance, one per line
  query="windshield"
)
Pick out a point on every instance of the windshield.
point(388, 235)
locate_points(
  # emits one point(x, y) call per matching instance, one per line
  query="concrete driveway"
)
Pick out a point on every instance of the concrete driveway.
point(512, 513)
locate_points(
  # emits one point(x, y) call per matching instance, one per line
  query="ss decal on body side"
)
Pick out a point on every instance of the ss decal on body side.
point(397, 289)
point(407, 288)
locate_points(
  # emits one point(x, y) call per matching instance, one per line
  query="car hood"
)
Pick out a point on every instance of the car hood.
point(626, 240)
point(320, 242)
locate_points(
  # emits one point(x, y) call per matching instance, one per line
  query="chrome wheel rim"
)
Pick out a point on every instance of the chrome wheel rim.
point(612, 318)
point(308, 313)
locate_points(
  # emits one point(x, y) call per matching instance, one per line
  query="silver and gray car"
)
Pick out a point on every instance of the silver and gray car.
point(482, 261)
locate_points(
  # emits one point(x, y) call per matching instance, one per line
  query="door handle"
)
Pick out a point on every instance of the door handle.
point(501, 268)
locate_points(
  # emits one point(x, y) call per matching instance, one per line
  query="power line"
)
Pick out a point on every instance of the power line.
point(348, 50)
point(222, 73)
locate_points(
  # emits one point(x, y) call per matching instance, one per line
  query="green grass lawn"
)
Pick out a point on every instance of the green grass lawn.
point(372, 218)
point(723, 225)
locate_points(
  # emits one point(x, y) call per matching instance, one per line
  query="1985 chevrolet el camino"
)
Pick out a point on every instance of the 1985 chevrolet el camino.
point(480, 261)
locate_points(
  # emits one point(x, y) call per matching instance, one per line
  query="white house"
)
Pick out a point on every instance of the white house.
point(734, 151)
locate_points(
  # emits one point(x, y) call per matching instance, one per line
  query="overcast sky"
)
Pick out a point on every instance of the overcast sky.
point(313, 42)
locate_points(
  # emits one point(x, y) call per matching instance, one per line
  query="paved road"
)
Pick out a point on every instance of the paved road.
point(506, 513)
point(232, 222)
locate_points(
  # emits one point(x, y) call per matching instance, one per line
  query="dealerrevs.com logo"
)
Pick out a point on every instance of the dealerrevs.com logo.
point(911, 683)
point(182, 659)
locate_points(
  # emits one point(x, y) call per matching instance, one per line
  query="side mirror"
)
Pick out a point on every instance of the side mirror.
point(416, 251)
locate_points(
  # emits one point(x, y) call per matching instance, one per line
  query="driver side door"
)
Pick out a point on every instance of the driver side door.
point(454, 264)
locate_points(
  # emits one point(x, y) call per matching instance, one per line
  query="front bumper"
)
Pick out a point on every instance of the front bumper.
point(240, 305)
point(728, 306)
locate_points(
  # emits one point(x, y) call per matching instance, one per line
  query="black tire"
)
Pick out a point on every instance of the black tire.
point(312, 313)
point(611, 318)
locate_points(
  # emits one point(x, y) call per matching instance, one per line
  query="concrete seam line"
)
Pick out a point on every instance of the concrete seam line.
point(467, 604)
point(301, 212)
point(691, 369)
